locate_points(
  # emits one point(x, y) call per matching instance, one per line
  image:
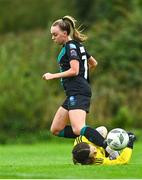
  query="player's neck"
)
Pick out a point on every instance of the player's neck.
point(68, 39)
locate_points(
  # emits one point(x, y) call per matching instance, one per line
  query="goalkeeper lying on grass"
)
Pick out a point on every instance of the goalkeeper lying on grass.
point(86, 153)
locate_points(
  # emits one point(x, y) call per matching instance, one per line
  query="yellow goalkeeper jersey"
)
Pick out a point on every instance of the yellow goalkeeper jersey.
point(123, 158)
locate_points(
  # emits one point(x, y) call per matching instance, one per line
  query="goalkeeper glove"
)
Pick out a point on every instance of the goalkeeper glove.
point(132, 139)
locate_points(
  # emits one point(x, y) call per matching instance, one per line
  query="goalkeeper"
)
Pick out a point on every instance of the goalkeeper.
point(85, 152)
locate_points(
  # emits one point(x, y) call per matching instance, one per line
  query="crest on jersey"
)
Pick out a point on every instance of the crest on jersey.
point(72, 100)
point(73, 52)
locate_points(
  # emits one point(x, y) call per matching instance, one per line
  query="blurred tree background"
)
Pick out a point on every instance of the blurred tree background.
point(28, 104)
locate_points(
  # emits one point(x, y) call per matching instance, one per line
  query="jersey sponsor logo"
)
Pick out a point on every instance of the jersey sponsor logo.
point(73, 52)
point(72, 101)
point(82, 50)
point(72, 46)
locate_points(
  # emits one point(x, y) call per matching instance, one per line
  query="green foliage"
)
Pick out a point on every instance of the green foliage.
point(28, 104)
point(117, 79)
point(19, 15)
point(22, 88)
point(123, 118)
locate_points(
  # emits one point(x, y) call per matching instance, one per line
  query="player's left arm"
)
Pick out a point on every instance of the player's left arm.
point(92, 62)
point(126, 153)
point(124, 158)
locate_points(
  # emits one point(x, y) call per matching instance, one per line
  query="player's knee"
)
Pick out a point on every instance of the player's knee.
point(102, 130)
point(54, 131)
point(76, 131)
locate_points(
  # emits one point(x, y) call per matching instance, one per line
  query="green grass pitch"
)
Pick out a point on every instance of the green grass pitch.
point(52, 160)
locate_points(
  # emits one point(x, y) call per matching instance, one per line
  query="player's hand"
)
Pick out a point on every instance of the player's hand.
point(132, 137)
point(48, 76)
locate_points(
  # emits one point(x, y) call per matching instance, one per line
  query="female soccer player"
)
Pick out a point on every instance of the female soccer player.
point(84, 152)
point(74, 62)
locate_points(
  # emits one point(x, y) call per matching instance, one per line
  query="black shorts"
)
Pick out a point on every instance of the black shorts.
point(77, 102)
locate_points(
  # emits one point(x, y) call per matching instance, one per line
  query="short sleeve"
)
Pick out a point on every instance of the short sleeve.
point(72, 51)
point(88, 55)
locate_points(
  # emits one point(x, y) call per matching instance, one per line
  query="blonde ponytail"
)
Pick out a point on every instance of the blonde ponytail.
point(74, 32)
point(77, 35)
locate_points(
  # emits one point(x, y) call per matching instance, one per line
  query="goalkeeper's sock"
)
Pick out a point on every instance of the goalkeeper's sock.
point(94, 136)
point(67, 132)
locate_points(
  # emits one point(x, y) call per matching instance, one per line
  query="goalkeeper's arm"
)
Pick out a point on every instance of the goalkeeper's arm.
point(125, 155)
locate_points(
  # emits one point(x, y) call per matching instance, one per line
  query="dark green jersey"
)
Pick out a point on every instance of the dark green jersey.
point(78, 84)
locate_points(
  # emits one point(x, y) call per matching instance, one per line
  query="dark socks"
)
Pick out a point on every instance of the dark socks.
point(67, 132)
point(91, 134)
point(94, 136)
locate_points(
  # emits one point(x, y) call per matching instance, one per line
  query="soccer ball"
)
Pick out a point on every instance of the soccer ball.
point(117, 139)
